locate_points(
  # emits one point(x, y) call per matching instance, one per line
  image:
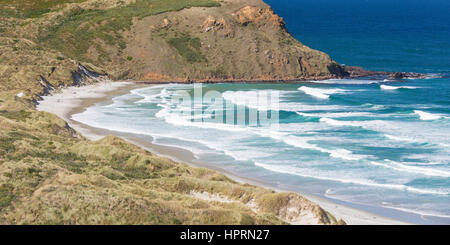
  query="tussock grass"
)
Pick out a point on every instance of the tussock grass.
point(30, 8)
point(21, 115)
point(6, 195)
point(55, 178)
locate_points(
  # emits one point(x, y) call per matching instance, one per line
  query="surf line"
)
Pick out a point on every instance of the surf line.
point(212, 107)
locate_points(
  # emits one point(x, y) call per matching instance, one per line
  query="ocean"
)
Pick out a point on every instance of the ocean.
point(373, 144)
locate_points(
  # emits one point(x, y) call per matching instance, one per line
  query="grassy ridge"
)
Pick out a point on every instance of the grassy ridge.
point(30, 8)
point(75, 32)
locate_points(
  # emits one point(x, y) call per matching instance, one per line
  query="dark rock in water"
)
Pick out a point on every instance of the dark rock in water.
point(396, 75)
point(405, 75)
point(338, 70)
point(355, 72)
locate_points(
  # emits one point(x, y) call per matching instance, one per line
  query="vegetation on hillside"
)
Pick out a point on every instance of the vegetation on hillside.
point(51, 175)
point(74, 32)
point(188, 48)
point(30, 8)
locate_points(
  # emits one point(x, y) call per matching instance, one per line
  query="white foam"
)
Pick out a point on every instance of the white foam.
point(320, 93)
point(180, 119)
point(263, 100)
point(415, 211)
point(412, 169)
point(254, 100)
point(346, 81)
point(338, 114)
point(300, 107)
point(386, 87)
point(406, 131)
point(340, 123)
point(392, 137)
point(302, 142)
point(426, 116)
point(246, 155)
point(295, 171)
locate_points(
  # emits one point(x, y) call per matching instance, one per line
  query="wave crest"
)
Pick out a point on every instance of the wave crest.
point(320, 93)
point(426, 116)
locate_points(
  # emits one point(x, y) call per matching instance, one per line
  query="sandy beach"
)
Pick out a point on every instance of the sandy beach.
point(72, 100)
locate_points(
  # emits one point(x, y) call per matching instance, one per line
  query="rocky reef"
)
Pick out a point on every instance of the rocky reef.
point(358, 72)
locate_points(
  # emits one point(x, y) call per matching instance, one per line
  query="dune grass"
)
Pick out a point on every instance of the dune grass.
point(49, 178)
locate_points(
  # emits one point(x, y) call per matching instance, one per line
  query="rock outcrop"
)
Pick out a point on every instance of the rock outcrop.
point(258, 15)
point(357, 72)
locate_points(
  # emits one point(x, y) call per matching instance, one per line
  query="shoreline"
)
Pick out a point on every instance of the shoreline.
point(72, 100)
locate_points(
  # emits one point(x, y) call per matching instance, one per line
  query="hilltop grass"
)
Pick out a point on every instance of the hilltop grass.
point(75, 33)
point(30, 8)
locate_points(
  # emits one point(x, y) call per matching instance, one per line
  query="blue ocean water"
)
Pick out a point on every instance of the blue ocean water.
point(378, 145)
point(387, 35)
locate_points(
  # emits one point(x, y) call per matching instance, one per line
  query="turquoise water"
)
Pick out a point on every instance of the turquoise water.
point(377, 145)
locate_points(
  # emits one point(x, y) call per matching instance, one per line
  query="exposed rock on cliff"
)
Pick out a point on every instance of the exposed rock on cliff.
point(258, 15)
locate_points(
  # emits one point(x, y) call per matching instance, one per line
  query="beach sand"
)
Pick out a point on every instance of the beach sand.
point(72, 100)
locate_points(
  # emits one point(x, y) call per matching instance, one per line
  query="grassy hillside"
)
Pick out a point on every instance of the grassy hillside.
point(49, 174)
point(145, 40)
point(31, 8)
point(75, 31)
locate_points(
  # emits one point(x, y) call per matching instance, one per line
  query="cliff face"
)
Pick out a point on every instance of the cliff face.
point(200, 40)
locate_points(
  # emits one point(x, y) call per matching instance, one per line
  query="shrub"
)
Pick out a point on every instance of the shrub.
point(6, 195)
point(188, 48)
point(16, 115)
